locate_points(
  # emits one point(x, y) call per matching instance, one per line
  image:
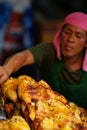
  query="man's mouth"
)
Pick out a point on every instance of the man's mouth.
point(68, 47)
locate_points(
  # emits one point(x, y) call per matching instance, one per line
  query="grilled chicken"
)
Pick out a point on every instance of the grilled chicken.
point(42, 107)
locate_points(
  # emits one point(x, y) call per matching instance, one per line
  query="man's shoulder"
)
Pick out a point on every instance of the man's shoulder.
point(48, 45)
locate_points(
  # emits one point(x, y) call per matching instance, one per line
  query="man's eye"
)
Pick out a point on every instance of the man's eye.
point(78, 36)
point(66, 32)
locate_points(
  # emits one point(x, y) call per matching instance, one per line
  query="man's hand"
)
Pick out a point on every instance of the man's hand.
point(14, 63)
point(3, 74)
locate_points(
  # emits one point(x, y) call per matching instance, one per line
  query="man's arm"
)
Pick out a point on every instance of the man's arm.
point(14, 63)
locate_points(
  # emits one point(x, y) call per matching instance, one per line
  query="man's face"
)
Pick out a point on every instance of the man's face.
point(73, 40)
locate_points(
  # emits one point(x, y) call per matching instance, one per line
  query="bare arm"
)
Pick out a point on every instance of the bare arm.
point(14, 63)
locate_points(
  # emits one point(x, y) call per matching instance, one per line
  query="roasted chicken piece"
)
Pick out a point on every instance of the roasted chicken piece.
point(31, 93)
point(34, 91)
point(15, 123)
point(10, 98)
point(9, 89)
point(23, 88)
point(18, 123)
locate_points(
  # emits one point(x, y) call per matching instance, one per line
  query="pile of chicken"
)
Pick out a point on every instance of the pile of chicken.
point(40, 106)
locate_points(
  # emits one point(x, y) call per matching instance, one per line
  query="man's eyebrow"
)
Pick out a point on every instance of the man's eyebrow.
point(67, 29)
point(80, 33)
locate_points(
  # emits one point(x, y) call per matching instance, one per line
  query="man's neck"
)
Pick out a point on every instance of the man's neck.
point(73, 63)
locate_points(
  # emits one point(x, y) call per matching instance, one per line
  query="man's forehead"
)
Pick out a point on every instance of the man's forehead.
point(74, 27)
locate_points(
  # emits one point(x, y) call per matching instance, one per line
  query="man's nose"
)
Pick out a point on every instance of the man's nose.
point(71, 37)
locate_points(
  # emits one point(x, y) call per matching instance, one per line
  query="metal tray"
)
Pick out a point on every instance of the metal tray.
point(2, 112)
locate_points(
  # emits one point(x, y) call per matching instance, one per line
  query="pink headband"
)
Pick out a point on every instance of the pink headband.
point(78, 19)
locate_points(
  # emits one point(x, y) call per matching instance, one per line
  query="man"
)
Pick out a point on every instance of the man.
point(62, 63)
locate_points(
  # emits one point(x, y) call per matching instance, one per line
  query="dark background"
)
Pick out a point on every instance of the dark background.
point(56, 9)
